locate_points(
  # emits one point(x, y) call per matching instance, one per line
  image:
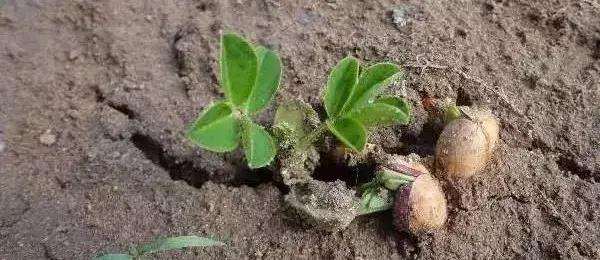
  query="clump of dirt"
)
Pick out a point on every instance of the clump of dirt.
point(298, 155)
point(329, 206)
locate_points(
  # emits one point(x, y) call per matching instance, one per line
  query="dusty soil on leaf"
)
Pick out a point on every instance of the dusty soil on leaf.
point(95, 96)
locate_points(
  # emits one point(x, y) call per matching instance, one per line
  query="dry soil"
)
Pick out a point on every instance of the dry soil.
point(95, 95)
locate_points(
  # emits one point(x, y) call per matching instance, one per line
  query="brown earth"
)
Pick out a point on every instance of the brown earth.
point(116, 83)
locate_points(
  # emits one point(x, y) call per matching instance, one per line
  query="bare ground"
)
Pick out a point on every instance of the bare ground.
point(116, 82)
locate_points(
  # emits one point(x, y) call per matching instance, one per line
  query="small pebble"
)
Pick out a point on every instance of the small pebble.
point(403, 15)
point(73, 54)
point(47, 138)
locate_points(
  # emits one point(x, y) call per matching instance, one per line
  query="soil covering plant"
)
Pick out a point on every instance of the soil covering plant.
point(249, 77)
point(143, 251)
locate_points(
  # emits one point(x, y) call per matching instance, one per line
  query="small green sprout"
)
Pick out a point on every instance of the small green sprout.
point(378, 194)
point(352, 104)
point(140, 252)
point(250, 77)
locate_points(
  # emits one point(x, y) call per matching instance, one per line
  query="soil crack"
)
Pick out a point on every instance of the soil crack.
point(194, 174)
point(177, 169)
point(567, 163)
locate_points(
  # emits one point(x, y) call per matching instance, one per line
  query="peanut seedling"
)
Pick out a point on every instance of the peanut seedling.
point(249, 77)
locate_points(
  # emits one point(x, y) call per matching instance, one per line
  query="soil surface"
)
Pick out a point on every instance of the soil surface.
point(95, 96)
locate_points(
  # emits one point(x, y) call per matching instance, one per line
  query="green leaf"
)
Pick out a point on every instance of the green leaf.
point(239, 67)
point(373, 80)
point(216, 129)
point(259, 146)
point(176, 243)
point(267, 81)
point(372, 201)
point(115, 257)
point(401, 103)
point(350, 132)
point(384, 112)
point(393, 180)
point(300, 117)
point(340, 84)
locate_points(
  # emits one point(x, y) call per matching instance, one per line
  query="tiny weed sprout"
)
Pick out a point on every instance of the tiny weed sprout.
point(467, 141)
point(143, 251)
point(419, 203)
point(249, 76)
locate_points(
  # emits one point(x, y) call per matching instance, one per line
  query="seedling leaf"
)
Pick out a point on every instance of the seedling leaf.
point(400, 103)
point(372, 201)
point(373, 80)
point(239, 67)
point(176, 243)
point(115, 257)
point(387, 111)
point(216, 129)
point(162, 245)
point(259, 146)
point(267, 80)
point(340, 84)
point(300, 117)
point(350, 132)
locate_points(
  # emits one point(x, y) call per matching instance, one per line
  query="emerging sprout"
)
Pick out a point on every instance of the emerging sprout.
point(418, 202)
point(467, 142)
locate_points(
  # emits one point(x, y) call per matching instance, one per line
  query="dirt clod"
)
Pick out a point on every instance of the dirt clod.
point(47, 138)
point(328, 206)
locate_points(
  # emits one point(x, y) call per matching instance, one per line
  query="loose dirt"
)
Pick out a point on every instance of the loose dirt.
point(95, 96)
